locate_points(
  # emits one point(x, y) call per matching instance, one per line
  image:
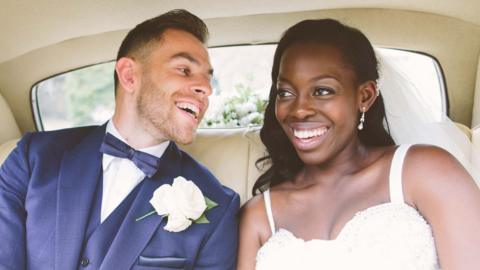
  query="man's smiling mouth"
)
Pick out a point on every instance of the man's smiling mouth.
point(189, 108)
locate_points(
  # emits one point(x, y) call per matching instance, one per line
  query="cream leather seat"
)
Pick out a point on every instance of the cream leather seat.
point(9, 131)
point(465, 130)
point(230, 154)
point(476, 136)
point(6, 148)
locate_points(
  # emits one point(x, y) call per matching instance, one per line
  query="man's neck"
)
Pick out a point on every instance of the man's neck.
point(133, 134)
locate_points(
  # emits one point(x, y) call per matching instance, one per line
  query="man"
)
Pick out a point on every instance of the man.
point(72, 199)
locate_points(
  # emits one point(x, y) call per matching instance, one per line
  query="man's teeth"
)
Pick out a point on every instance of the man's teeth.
point(188, 107)
point(305, 134)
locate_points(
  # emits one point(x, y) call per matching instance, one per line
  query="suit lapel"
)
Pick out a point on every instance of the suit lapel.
point(133, 236)
point(79, 174)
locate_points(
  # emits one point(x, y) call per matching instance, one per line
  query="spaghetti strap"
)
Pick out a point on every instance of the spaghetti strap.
point(395, 179)
point(268, 209)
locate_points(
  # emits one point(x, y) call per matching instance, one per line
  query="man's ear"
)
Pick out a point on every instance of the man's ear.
point(367, 94)
point(126, 69)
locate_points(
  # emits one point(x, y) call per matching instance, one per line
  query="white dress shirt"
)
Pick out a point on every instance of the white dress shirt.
point(120, 175)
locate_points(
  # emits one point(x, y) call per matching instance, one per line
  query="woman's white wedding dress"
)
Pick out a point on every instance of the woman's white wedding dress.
point(388, 236)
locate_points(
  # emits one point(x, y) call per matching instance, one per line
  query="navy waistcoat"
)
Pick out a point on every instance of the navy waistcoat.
point(99, 236)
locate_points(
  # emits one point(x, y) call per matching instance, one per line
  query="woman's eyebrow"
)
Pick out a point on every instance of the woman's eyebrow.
point(316, 78)
point(323, 77)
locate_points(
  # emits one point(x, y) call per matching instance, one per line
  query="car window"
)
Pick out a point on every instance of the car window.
point(241, 84)
point(77, 98)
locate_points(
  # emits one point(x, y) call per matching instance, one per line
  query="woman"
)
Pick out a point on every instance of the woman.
point(339, 194)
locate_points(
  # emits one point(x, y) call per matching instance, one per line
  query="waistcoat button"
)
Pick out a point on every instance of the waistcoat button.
point(84, 262)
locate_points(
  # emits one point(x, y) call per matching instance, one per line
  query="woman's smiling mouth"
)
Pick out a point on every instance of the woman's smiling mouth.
point(306, 139)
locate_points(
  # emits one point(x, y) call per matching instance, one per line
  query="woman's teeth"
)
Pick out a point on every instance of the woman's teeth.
point(305, 134)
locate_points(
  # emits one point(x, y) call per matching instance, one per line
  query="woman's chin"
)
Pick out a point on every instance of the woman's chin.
point(311, 158)
point(311, 152)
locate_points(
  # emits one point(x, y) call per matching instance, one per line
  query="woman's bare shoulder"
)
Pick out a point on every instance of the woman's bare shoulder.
point(253, 207)
point(430, 171)
point(432, 163)
point(253, 217)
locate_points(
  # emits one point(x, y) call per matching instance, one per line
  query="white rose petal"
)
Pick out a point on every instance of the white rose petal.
point(250, 106)
point(177, 223)
point(162, 200)
point(252, 116)
point(245, 108)
point(182, 203)
point(244, 121)
point(188, 198)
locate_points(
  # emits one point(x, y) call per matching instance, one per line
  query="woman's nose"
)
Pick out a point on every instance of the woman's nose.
point(303, 108)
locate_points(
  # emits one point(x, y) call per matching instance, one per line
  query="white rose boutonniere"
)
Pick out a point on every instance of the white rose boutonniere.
point(182, 203)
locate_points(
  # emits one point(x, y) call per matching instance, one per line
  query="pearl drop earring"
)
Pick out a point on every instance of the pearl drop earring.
point(362, 119)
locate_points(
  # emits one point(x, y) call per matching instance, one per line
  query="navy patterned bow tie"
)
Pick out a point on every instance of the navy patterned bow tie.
point(113, 146)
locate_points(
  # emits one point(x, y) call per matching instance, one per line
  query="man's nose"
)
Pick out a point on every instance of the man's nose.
point(202, 86)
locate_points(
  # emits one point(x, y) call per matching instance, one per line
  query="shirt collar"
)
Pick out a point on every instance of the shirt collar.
point(155, 150)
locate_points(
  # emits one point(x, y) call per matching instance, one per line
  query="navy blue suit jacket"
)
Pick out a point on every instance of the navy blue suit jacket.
point(47, 188)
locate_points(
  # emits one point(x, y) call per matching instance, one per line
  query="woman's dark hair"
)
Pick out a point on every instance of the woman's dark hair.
point(359, 54)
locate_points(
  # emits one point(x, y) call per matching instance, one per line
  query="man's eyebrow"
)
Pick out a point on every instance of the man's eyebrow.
point(190, 58)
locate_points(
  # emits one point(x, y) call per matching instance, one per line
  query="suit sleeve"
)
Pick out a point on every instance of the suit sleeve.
point(220, 250)
point(14, 178)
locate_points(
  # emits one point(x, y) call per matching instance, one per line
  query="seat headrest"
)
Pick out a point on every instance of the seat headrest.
point(9, 129)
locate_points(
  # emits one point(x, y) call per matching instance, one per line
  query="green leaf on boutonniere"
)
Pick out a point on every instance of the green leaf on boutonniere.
point(210, 204)
point(202, 219)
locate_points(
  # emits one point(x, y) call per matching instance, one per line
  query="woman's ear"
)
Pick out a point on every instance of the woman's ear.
point(367, 94)
point(126, 73)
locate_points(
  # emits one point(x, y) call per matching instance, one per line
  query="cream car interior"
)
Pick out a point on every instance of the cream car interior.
point(41, 39)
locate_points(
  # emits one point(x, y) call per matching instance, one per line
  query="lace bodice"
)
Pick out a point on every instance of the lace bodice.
point(387, 236)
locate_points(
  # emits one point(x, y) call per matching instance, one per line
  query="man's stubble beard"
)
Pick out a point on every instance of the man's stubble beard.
point(159, 123)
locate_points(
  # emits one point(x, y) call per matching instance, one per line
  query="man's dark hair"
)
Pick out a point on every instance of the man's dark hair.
point(136, 43)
